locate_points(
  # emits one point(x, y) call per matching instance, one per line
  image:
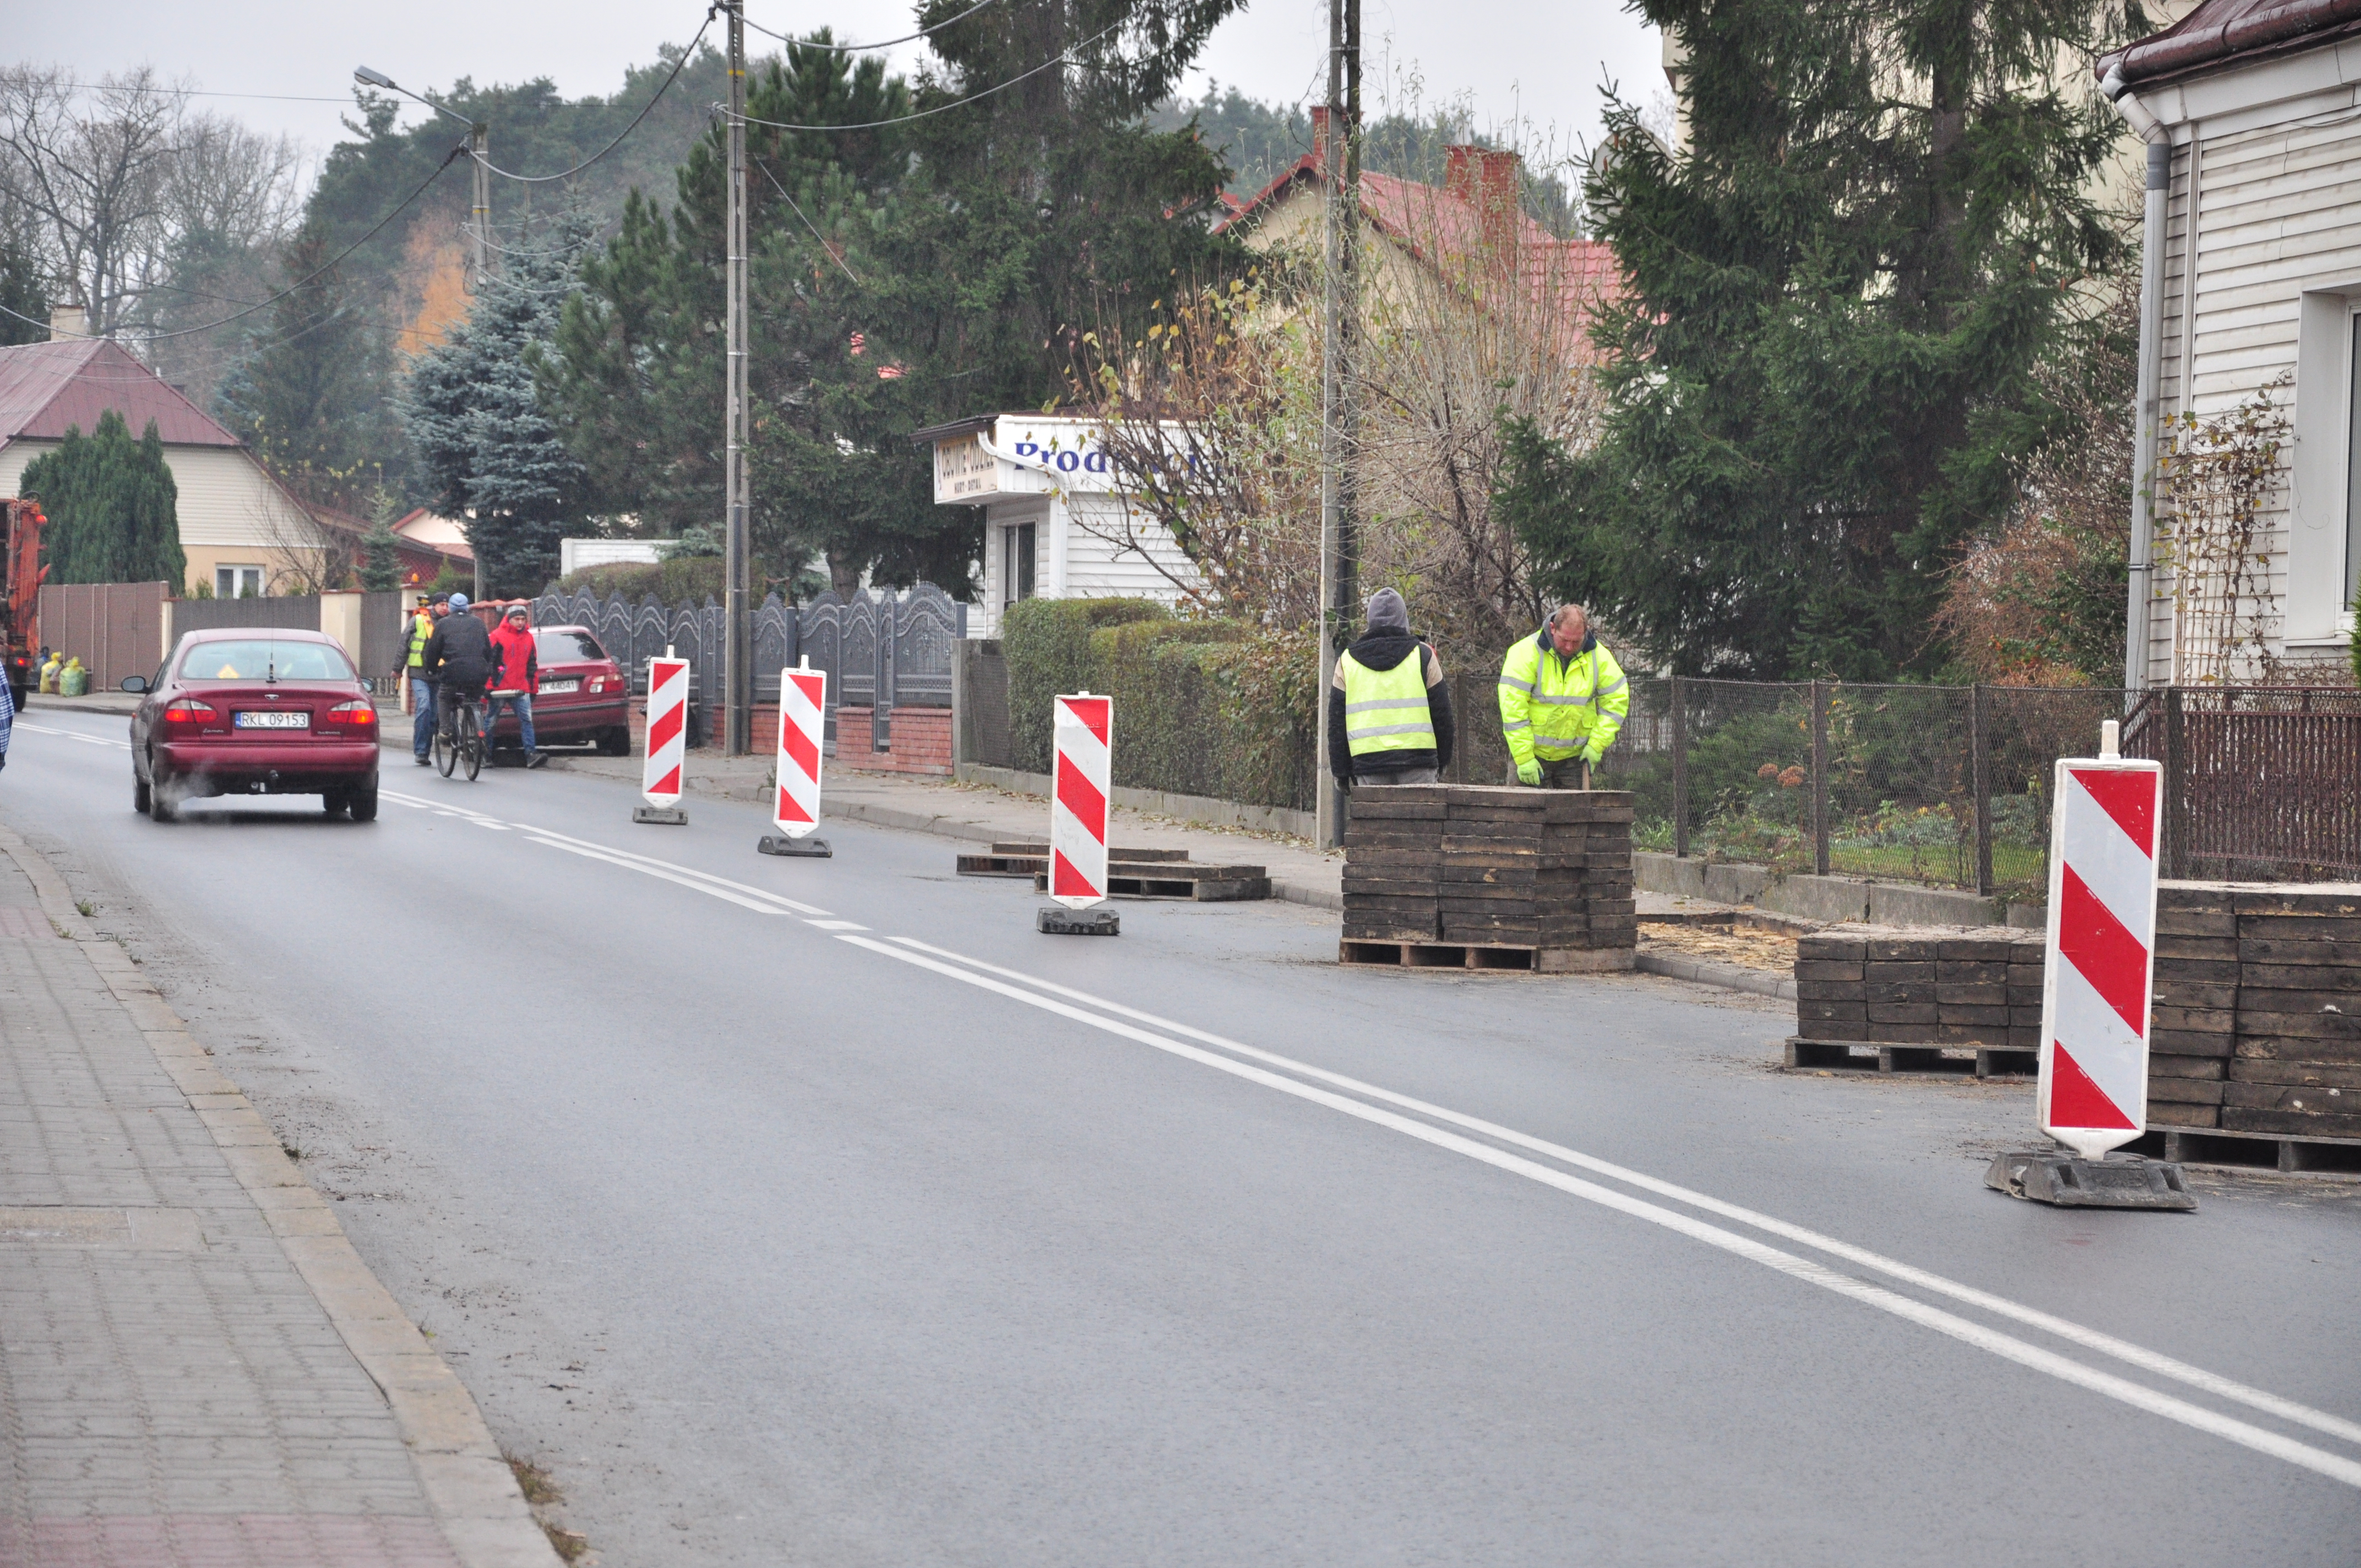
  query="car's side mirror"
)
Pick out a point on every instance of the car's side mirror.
point(135, 684)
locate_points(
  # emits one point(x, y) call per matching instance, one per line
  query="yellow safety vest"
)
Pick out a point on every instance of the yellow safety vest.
point(421, 627)
point(1551, 707)
point(1386, 711)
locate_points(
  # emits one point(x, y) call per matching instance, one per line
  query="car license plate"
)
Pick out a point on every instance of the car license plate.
point(548, 686)
point(272, 719)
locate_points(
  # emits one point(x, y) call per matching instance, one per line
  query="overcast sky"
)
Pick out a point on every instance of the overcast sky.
point(1543, 60)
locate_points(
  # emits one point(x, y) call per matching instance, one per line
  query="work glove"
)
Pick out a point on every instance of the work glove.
point(1529, 773)
point(1591, 753)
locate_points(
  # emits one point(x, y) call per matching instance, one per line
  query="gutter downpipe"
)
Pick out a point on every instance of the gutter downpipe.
point(2142, 551)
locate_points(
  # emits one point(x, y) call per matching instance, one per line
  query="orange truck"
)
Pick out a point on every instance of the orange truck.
point(20, 592)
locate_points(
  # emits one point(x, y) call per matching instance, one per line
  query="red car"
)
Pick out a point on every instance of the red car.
point(580, 696)
point(256, 711)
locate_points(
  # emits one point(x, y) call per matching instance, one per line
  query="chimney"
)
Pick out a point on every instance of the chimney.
point(68, 321)
point(1459, 173)
point(1487, 180)
point(1320, 140)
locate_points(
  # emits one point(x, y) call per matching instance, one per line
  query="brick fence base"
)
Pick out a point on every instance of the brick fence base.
point(921, 741)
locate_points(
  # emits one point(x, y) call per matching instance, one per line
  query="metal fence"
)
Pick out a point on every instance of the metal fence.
point(1949, 786)
point(880, 649)
point(114, 629)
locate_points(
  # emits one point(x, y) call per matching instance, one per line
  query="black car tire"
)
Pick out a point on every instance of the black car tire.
point(615, 740)
point(160, 800)
point(140, 795)
point(332, 803)
point(362, 803)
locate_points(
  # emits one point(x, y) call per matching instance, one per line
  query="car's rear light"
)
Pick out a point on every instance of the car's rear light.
point(186, 711)
point(359, 715)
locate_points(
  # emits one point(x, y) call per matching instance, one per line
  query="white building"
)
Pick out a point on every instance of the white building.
point(2255, 257)
point(1057, 525)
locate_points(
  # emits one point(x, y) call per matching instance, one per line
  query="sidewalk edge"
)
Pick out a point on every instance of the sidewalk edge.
point(1727, 977)
point(476, 1499)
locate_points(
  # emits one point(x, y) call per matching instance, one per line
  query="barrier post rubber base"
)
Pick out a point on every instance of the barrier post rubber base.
point(1056, 920)
point(799, 849)
point(662, 816)
point(2071, 1182)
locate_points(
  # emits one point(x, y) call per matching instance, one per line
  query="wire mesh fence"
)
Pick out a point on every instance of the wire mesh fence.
point(1950, 786)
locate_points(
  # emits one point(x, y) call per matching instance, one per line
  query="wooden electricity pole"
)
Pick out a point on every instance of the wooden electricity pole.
point(737, 640)
point(1339, 504)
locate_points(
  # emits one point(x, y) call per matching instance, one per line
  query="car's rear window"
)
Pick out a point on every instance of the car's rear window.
point(264, 658)
point(568, 647)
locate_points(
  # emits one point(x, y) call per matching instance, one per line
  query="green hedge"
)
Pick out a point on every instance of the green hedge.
point(1207, 708)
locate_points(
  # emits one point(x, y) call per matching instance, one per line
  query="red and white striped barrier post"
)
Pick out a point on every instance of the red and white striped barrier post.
point(667, 740)
point(2098, 978)
point(1081, 781)
point(803, 709)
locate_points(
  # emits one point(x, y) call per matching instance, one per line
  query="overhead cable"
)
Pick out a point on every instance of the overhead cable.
point(824, 244)
point(324, 267)
point(882, 43)
point(940, 108)
point(678, 67)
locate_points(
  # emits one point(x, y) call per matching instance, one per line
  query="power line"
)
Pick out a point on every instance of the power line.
point(941, 108)
point(324, 267)
point(887, 43)
point(678, 66)
point(824, 245)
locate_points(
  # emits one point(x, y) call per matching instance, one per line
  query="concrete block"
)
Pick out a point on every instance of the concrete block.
point(1660, 873)
point(1735, 885)
point(1833, 899)
point(1898, 904)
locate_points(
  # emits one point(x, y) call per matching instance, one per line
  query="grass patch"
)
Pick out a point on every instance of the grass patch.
point(86, 907)
point(534, 1482)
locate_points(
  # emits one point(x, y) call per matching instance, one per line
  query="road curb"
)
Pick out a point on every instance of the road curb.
point(1708, 971)
point(476, 1503)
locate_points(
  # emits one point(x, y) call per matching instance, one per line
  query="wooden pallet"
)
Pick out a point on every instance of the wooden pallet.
point(1870, 1057)
point(1173, 879)
point(1024, 859)
point(2251, 1151)
point(1483, 956)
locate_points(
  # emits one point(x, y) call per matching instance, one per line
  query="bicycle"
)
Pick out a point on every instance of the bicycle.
point(450, 749)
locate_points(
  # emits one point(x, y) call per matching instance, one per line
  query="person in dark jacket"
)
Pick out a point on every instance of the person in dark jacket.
point(458, 660)
point(1389, 707)
point(516, 664)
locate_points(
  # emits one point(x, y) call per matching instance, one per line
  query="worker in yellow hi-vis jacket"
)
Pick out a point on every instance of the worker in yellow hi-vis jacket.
point(1563, 702)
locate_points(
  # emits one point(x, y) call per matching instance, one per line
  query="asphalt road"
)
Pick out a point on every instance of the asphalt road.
point(790, 1214)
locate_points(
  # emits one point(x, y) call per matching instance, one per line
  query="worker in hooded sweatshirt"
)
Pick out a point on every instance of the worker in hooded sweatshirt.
point(1389, 707)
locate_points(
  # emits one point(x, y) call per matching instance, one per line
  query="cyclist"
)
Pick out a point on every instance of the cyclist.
point(458, 660)
point(515, 663)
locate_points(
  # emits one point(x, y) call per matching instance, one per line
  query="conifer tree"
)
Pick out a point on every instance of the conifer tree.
point(1822, 375)
point(486, 448)
point(112, 505)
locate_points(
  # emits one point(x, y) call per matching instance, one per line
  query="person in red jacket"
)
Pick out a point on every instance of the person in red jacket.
point(514, 668)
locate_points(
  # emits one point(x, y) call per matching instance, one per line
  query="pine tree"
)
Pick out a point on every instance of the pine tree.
point(24, 302)
point(309, 391)
point(380, 547)
point(1822, 375)
point(486, 447)
point(112, 505)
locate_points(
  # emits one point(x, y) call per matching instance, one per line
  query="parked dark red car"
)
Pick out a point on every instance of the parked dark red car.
point(581, 696)
point(262, 710)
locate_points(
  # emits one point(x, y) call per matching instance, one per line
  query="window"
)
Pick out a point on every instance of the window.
point(1016, 563)
point(238, 582)
point(568, 647)
point(264, 658)
point(2351, 576)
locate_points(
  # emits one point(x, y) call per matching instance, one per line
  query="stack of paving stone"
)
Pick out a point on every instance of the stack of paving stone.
point(2257, 1026)
point(1538, 867)
point(1920, 986)
point(1486, 866)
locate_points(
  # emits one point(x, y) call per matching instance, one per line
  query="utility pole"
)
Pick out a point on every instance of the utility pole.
point(479, 153)
point(1340, 302)
point(737, 646)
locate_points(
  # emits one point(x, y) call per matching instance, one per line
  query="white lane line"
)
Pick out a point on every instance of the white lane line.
point(73, 735)
point(2089, 1338)
point(836, 925)
point(2008, 1347)
point(723, 894)
point(487, 822)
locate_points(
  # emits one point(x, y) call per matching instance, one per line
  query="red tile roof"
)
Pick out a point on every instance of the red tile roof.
point(46, 387)
point(2219, 32)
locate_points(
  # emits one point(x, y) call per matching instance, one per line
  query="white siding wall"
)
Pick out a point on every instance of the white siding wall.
point(2278, 216)
point(226, 499)
point(1098, 561)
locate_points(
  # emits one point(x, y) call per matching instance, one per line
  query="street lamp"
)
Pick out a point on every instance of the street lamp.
point(479, 152)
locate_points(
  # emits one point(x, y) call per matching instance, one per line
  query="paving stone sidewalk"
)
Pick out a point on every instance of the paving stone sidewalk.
point(178, 1376)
